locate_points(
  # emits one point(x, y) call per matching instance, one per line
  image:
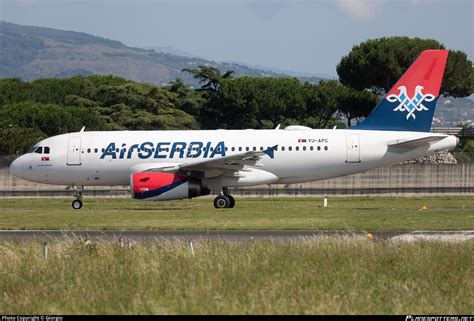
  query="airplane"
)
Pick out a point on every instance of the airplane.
point(168, 165)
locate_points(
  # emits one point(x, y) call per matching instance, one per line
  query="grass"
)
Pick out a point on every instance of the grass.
point(312, 276)
point(344, 213)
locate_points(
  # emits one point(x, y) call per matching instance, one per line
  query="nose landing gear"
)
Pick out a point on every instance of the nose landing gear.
point(77, 203)
point(224, 199)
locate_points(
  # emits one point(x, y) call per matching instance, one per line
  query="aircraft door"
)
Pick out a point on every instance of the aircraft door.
point(352, 149)
point(74, 151)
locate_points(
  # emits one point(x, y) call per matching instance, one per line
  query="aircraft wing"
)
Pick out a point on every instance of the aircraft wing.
point(233, 162)
point(413, 143)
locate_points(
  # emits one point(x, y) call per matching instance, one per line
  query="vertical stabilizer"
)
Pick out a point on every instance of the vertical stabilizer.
point(410, 104)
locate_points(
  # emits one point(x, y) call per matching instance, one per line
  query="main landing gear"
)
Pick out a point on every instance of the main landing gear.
point(77, 203)
point(224, 199)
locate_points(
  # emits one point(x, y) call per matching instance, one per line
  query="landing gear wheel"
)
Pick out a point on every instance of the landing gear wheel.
point(222, 201)
point(77, 204)
point(232, 201)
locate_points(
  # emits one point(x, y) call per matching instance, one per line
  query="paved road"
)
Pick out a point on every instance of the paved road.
point(41, 235)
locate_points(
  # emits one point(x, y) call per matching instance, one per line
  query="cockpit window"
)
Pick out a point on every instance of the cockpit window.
point(39, 150)
point(32, 149)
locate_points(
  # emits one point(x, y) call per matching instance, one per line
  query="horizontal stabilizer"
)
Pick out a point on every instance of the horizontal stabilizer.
point(412, 143)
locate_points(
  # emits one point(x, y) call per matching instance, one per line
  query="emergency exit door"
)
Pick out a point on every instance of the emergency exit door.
point(352, 149)
point(74, 151)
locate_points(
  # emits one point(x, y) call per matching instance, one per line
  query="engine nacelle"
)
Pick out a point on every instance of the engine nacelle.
point(152, 186)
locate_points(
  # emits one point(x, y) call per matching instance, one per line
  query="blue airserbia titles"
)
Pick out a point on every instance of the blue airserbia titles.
point(164, 150)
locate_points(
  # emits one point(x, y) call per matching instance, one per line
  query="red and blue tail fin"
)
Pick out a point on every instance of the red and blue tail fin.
point(410, 104)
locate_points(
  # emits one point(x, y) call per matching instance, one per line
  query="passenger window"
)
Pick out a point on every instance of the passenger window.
point(233, 149)
point(304, 148)
point(290, 148)
point(46, 150)
point(88, 150)
point(96, 150)
point(319, 148)
point(297, 148)
point(240, 149)
point(254, 148)
point(325, 148)
point(311, 148)
point(247, 149)
point(282, 148)
point(39, 150)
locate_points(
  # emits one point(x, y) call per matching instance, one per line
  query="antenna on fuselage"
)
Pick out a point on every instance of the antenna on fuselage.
point(82, 129)
point(278, 127)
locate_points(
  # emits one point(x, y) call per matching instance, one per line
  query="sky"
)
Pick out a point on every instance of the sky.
point(301, 36)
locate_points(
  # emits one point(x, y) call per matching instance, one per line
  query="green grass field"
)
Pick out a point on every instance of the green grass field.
point(344, 213)
point(313, 276)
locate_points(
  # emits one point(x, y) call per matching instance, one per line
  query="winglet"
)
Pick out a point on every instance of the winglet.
point(270, 151)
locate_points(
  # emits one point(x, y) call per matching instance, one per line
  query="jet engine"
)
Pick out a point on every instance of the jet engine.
point(152, 186)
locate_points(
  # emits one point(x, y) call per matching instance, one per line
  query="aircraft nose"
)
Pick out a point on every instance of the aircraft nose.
point(16, 167)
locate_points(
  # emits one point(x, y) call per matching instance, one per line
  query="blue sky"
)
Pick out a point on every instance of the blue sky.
point(299, 35)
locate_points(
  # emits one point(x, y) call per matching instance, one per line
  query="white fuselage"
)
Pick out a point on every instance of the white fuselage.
point(86, 158)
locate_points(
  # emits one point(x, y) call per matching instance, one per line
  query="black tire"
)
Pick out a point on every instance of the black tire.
point(76, 204)
point(222, 201)
point(232, 201)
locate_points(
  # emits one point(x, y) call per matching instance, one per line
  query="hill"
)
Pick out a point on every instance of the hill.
point(32, 52)
point(451, 112)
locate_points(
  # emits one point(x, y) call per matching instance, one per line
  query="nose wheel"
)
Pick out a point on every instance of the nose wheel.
point(77, 203)
point(224, 200)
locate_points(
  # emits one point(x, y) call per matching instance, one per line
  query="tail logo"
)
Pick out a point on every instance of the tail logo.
point(410, 105)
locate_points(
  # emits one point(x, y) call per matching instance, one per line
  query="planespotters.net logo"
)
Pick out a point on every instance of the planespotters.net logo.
point(438, 318)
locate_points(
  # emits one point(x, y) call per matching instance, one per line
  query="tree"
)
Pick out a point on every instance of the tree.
point(354, 104)
point(184, 98)
point(18, 139)
point(321, 102)
point(260, 103)
point(377, 64)
point(209, 76)
point(228, 108)
point(46, 107)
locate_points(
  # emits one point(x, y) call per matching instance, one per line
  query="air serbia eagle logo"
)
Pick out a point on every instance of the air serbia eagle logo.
point(410, 105)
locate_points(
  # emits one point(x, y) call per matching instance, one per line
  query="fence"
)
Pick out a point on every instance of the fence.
point(458, 131)
point(392, 180)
